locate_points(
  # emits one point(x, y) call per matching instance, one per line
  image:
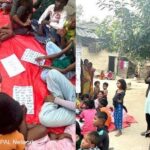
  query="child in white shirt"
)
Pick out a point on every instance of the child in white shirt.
point(57, 17)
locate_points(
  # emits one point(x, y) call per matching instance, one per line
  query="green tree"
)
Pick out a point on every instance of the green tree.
point(129, 30)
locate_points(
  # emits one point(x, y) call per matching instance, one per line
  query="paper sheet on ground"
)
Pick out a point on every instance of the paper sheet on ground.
point(12, 65)
point(24, 95)
point(30, 56)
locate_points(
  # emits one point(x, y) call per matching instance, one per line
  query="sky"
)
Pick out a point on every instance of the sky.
point(91, 10)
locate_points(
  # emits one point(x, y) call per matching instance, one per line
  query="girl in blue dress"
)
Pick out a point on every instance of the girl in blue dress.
point(118, 105)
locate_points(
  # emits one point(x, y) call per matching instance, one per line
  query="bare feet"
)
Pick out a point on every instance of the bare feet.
point(118, 134)
point(53, 136)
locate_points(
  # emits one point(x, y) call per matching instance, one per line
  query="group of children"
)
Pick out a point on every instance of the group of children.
point(52, 27)
point(44, 26)
point(97, 139)
point(93, 114)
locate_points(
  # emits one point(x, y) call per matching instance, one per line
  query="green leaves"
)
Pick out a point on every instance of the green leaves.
point(128, 30)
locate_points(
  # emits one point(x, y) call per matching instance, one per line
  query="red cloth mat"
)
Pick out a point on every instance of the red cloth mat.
point(31, 77)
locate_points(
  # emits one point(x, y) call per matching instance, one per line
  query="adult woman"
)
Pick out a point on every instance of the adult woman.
point(147, 107)
point(91, 71)
point(86, 78)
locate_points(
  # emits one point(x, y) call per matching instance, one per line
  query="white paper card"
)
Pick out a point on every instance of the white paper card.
point(12, 65)
point(24, 95)
point(30, 56)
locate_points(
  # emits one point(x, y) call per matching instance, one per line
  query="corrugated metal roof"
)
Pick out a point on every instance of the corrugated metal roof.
point(86, 33)
point(88, 25)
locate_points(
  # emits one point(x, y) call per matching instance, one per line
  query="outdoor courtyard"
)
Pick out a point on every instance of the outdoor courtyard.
point(134, 101)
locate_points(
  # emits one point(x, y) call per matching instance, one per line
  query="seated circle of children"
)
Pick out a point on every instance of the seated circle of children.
point(43, 26)
point(107, 118)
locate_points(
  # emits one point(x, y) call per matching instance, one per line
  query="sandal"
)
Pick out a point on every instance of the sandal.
point(147, 134)
point(143, 133)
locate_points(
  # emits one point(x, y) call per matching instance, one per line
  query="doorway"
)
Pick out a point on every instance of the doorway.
point(111, 65)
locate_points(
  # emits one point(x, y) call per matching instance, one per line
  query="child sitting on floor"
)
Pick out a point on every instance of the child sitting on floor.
point(103, 108)
point(84, 97)
point(48, 28)
point(20, 16)
point(91, 141)
point(96, 88)
point(99, 97)
point(99, 122)
point(87, 116)
point(105, 88)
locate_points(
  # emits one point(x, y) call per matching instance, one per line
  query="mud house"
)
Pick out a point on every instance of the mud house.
point(102, 59)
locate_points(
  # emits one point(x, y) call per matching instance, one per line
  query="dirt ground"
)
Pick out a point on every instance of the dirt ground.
point(134, 101)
